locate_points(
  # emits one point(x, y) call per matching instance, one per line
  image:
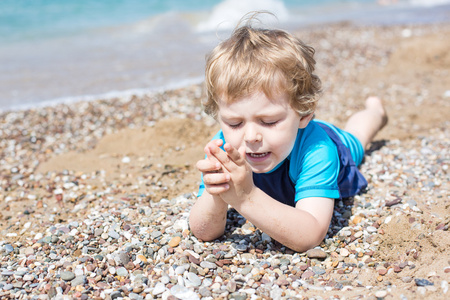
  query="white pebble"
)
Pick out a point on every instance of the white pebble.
point(344, 252)
point(381, 294)
point(159, 288)
point(444, 286)
point(371, 229)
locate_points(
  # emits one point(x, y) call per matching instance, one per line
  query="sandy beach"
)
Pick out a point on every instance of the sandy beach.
point(96, 195)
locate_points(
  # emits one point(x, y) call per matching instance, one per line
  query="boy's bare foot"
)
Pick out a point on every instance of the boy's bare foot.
point(376, 104)
point(366, 123)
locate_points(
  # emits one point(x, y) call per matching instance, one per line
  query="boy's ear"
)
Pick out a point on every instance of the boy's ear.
point(304, 121)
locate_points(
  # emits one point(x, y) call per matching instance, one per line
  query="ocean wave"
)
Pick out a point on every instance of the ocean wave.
point(428, 3)
point(227, 14)
point(115, 94)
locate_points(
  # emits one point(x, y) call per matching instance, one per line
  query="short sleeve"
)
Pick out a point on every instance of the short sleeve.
point(315, 169)
point(218, 136)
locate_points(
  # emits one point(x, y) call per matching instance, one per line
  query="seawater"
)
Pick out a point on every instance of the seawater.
point(55, 51)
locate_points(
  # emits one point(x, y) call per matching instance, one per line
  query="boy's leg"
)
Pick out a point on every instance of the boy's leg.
point(366, 123)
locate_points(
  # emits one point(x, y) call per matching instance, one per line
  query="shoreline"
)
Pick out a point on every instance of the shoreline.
point(54, 73)
point(96, 195)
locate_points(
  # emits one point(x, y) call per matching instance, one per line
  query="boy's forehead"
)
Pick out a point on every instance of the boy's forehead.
point(278, 98)
point(258, 102)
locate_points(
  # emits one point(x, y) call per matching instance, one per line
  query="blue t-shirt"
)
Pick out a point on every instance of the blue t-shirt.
point(321, 164)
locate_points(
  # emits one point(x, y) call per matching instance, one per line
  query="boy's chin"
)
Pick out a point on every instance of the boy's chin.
point(261, 169)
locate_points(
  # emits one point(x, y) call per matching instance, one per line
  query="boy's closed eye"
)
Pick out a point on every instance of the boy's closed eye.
point(269, 123)
point(235, 125)
point(264, 123)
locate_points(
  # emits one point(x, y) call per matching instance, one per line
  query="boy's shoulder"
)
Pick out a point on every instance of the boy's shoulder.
point(313, 148)
point(313, 138)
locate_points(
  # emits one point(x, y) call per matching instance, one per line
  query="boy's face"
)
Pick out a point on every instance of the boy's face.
point(265, 128)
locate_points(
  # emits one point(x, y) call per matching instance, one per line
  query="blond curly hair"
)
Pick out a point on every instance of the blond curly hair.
point(268, 60)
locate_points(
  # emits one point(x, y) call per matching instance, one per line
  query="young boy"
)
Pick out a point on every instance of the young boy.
point(272, 162)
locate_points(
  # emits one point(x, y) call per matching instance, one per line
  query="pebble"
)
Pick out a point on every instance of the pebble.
point(380, 294)
point(67, 275)
point(344, 252)
point(175, 241)
point(113, 234)
point(122, 272)
point(194, 279)
point(316, 253)
point(78, 280)
point(159, 289)
point(207, 264)
point(422, 282)
point(183, 293)
point(444, 286)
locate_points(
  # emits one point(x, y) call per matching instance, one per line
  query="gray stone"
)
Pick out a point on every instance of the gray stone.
point(422, 282)
point(135, 296)
point(204, 292)
point(238, 296)
point(113, 234)
point(265, 238)
point(122, 272)
point(123, 258)
point(246, 270)
point(116, 294)
point(182, 292)
point(318, 270)
point(207, 264)
point(194, 279)
point(98, 231)
point(67, 275)
point(8, 248)
point(241, 247)
point(156, 234)
point(412, 203)
point(79, 280)
point(7, 273)
point(159, 289)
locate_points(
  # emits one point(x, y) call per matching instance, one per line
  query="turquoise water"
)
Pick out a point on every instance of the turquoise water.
point(69, 50)
point(36, 19)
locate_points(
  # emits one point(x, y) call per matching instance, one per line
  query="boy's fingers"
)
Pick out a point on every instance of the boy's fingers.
point(234, 154)
point(216, 178)
point(208, 165)
point(221, 156)
point(212, 145)
point(217, 189)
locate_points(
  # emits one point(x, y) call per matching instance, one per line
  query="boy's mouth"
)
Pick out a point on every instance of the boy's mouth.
point(258, 156)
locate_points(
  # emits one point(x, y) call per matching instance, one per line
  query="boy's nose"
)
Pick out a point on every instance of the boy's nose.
point(252, 135)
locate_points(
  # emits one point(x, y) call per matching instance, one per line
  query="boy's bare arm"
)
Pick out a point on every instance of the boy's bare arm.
point(300, 228)
point(208, 217)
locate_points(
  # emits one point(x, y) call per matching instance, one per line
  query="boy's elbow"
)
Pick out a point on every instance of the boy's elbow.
point(306, 243)
point(204, 232)
point(205, 236)
point(304, 246)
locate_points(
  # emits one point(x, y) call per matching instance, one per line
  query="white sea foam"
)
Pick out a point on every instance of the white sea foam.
point(122, 94)
point(428, 3)
point(227, 14)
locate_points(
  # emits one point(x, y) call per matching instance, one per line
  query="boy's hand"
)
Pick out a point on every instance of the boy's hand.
point(214, 178)
point(236, 172)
